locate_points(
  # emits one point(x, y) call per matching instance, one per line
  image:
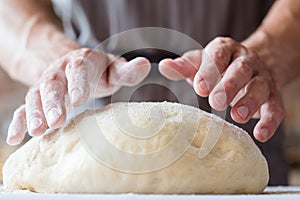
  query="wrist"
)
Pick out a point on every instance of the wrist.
point(60, 43)
point(270, 51)
point(42, 45)
point(277, 41)
point(48, 37)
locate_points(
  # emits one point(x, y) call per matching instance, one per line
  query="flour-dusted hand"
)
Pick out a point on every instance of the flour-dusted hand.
point(80, 74)
point(231, 74)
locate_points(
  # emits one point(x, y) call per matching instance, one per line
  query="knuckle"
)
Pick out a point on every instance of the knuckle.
point(219, 40)
point(74, 68)
point(252, 99)
point(50, 77)
point(228, 40)
point(85, 51)
point(218, 50)
point(219, 57)
point(224, 40)
point(263, 83)
point(275, 118)
point(81, 52)
point(36, 114)
point(244, 67)
point(253, 54)
point(77, 62)
point(230, 85)
point(271, 119)
point(78, 58)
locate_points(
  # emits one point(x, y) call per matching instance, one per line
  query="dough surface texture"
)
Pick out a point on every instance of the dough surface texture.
point(155, 148)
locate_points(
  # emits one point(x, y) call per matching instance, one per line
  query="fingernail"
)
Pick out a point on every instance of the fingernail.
point(220, 99)
point(53, 115)
point(202, 86)
point(75, 95)
point(13, 140)
point(35, 123)
point(243, 112)
point(264, 133)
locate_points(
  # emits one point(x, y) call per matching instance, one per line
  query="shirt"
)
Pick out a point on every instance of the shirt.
point(93, 21)
point(180, 25)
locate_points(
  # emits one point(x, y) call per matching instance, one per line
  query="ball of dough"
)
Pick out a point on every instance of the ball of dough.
point(140, 148)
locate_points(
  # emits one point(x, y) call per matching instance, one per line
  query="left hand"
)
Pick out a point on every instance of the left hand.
point(231, 74)
point(80, 74)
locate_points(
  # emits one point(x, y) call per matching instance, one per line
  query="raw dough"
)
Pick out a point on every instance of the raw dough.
point(212, 156)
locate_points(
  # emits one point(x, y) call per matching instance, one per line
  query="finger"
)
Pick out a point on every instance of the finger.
point(236, 77)
point(257, 93)
point(128, 73)
point(17, 127)
point(53, 88)
point(184, 67)
point(77, 79)
point(215, 59)
point(271, 116)
point(36, 122)
point(83, 71)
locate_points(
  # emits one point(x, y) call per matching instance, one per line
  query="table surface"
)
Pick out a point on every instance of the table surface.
point(273, 193)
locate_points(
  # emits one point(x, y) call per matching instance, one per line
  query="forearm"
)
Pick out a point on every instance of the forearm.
point(30, 39)
point(277, 41)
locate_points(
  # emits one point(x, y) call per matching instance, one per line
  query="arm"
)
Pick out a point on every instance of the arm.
point(277, 41)
point(30, 39)
point(37, 53)
point(248, 75)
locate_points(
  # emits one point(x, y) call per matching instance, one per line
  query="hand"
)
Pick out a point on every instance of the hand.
point(79, 74)
point(231, 74)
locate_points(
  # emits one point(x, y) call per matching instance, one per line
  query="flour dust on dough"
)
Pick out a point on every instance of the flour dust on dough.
point(62, 161)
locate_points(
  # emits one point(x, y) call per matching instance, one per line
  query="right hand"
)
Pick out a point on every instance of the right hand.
point(80, 74)
point(229, 73)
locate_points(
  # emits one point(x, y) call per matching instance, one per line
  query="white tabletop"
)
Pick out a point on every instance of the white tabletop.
point(273, 193)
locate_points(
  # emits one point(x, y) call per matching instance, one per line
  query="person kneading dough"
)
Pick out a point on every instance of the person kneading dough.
point(140, 148)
